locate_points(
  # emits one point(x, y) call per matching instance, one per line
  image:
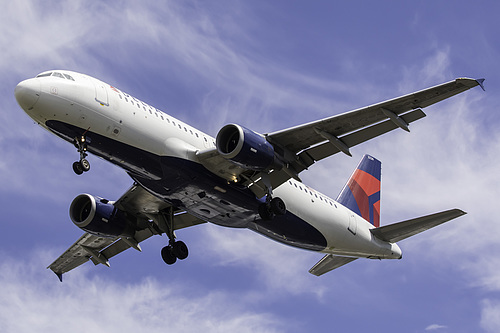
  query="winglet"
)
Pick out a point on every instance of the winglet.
point(59, 275)
point(481, 83)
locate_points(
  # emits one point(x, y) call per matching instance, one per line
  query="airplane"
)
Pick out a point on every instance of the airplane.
point(183, 177)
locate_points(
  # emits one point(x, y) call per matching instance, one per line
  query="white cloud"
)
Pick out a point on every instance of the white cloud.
point(32, 299)
point(435, 327)
point(490, 315)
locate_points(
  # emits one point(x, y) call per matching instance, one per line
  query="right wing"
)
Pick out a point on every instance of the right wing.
point(136, 201)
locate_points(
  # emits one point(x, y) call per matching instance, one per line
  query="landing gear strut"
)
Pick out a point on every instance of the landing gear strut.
point(175, 249)
point(83, 164)
point(272, 206)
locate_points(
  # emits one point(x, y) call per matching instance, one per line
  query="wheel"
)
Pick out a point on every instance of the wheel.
point(278, 206)
point(265, 212)
point(85, 165)
point(77, 168)
point(180, 250)
point(168, 256)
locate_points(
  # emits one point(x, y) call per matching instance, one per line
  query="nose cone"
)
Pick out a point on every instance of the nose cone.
point(27, 93)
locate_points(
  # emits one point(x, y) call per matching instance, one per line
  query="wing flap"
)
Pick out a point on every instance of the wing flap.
point(329, 263)
point(324, 150)
point(398, 231)
point(77, 255)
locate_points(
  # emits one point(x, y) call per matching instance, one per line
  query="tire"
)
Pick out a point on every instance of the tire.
point(180, 250)
point(85, 165)
point(265, 212)
point(168, 256)
point(278, 206)
point(77, 168)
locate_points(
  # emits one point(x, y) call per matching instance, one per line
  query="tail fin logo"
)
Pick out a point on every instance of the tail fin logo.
point(361, 194)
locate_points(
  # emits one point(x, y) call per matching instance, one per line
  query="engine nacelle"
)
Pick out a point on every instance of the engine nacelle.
point(99, 217)
point(246, 148)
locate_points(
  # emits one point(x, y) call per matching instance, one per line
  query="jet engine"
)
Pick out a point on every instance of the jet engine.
point(246, 148)
point(99, 217)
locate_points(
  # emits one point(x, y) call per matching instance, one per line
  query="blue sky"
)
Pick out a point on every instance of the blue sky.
point(267, 66)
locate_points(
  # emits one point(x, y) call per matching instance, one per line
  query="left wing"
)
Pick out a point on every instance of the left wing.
point(301, 146)
point(136, 201)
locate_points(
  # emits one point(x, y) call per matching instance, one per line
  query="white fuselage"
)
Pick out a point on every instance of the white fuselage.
point(81, 102)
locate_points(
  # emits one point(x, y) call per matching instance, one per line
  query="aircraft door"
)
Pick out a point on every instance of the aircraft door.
point(353, 225)
point(101, 94)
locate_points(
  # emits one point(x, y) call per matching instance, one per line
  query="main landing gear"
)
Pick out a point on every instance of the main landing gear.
point(272, 206)
point(269, 209)
point(83, 164)
point(175, 249)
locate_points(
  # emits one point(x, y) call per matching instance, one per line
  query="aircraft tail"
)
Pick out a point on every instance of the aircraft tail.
point(361, 193)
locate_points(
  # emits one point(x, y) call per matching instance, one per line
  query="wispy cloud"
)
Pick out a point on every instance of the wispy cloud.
point(33, 300)
point(490, 315)
point(435, 327)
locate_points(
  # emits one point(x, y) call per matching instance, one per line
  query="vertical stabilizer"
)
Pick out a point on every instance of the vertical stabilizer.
point(361, 193)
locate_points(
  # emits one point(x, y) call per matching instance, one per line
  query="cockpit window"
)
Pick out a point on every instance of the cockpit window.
point(56, 74)
point(44, 74)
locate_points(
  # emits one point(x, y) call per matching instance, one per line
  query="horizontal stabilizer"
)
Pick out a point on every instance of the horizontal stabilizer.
point(398, 231)
point(328, 263)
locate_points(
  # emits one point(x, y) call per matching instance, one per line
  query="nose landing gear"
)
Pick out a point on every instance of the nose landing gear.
point(83, 164)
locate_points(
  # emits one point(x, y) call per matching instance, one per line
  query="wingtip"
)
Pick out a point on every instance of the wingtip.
point(59, 276)
point(481, 83)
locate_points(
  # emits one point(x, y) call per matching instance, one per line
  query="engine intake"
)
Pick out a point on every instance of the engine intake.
point(246, 148)
point(99, 217)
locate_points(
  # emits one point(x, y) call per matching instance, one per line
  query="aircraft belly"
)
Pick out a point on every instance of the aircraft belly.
point(189, 185)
